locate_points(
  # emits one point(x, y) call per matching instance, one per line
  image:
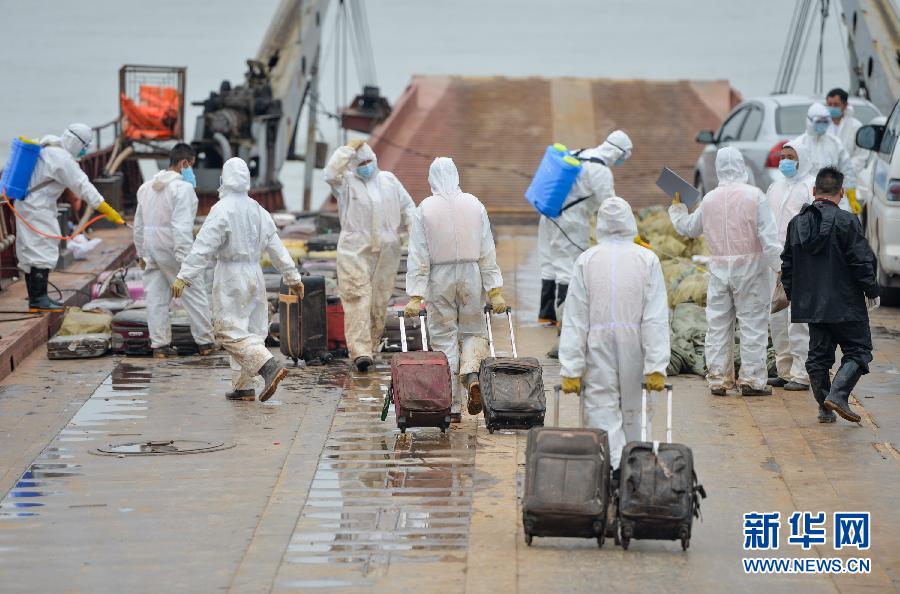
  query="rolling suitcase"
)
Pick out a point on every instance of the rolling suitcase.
point(420, 385)
point(302, 323)
point(131, 336)
point(512, 388)
point(337, 339)
point(658, 492)
point(567, 477)
point(391, 339)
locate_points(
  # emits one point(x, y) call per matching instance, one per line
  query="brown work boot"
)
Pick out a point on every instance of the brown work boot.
point(474, 388)
point(208, 349)
point(718, 390)
point(272, 374)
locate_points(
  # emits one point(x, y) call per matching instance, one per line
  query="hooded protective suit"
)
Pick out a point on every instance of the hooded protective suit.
point(236, 233)
point(791, 341)
point(557, 252)
point(163, 235)
point(846, 131)
point(373, 213)
point(737, 222)
point(58, 169)
point(826, 149)
point(615, 326)
point(452, 264)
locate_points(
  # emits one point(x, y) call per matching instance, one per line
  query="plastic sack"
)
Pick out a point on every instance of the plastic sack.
point(77, 321)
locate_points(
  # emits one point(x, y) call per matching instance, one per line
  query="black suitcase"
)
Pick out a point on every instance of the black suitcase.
point(659, 495)
point(567, 477)
point(390, 340)
point(323, 243)
point(131, 336)
point(512, 388)
point(302, 325)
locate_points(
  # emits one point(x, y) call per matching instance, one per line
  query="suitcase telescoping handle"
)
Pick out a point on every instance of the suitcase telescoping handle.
point(668, 412)
point(488, 310)
point(558, 390)
point(403, 343)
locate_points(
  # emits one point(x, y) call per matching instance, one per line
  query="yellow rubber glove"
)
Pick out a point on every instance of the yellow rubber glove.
point(641, 242)
point(656, 382)
point(677, 198)
point(178, 287)
point(498, 303)
point(571, 385)
point(142, 264)
point(111, 215)
point(356, 143)
point(297, 289)
point(413, 308)
point(855, 206)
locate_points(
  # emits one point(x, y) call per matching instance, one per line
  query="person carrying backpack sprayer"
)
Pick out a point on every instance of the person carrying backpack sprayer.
point(51, 169)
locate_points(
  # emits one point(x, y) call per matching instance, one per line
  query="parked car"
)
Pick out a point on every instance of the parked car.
point(758, 128)
point(881, 216)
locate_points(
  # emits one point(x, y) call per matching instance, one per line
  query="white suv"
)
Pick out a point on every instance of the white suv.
point(881, 216)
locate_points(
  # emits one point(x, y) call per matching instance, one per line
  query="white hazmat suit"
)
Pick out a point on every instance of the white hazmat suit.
point(452, 264)
point(740, 232)
point(846, 131)
point(615, 326)
point(595, 183)
point(826, 149)
point(791, 341)
point(56, 170)
point(373, 214)
point(236, 233)
point(163, 235)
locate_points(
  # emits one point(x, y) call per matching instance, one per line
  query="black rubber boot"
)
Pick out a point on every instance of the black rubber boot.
point(363, 363)
point(474, 388)
point(547, 312)
point(776, 382)
point(821, 386)
point(750, 391)
point(272, 373)
point(838, 399)
point(241, 395)
point(38, 299)
point(561, 292)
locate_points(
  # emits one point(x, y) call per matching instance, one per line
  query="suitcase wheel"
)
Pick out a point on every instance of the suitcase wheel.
point(685, 539)
point(443, 428)
point(600, 540)
point(490, 429)
point(625, 537)
point(528, 538)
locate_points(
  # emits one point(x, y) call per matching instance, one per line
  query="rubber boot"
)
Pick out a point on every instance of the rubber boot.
point(747, 390)
point(838, 399)
point(38, 300)
point(776, 382)
point(821, 386)
point(474, 388)
point(561, 292)
point(547, 312)
point(208, 349)
point(272, 374)
point(165, 352)
point(248, 394)
point(363, 363)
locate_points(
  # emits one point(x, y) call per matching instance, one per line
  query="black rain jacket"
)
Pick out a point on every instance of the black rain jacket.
point(827, 266)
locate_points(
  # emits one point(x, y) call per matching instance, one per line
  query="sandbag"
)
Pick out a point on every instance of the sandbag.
point(692, 289)
point(77, 321)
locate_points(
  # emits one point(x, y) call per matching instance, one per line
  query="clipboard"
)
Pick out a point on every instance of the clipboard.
point(670, 182)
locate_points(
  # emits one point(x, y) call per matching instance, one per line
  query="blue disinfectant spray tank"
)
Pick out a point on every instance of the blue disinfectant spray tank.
point(23, 158)
point(553, 180)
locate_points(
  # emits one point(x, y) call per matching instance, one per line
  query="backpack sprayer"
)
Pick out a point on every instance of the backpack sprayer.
point(23, 158)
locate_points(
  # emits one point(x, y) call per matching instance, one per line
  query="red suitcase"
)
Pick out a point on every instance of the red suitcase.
point(420, 385)
point(334, 311)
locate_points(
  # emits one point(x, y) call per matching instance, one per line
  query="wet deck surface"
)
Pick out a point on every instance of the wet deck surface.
point(318, 494)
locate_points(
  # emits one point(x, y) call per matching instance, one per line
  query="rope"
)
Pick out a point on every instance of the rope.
point(78, 232)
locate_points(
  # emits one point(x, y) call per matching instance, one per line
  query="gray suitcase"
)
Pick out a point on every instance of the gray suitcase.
point(78, 346)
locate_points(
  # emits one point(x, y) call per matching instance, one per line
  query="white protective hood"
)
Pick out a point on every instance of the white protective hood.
point(235, 177)
point(731, 167)
point(615, 220)
point(443, 177)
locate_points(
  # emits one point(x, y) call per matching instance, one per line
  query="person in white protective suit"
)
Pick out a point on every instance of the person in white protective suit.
point(163, 235)
point(56, 170)
point(374, 209)
point(826, 149)
point(452, 264)
point(786, 197)
point(563, 239)
point(615, 328)
point(236, 233)
point(845, 126)
point(744, 252)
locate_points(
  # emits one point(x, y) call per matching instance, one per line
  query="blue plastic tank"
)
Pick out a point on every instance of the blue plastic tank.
point(553, 180)
point(19, 168)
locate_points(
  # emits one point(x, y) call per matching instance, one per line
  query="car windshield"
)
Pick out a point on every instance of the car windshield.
point(790, 120)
